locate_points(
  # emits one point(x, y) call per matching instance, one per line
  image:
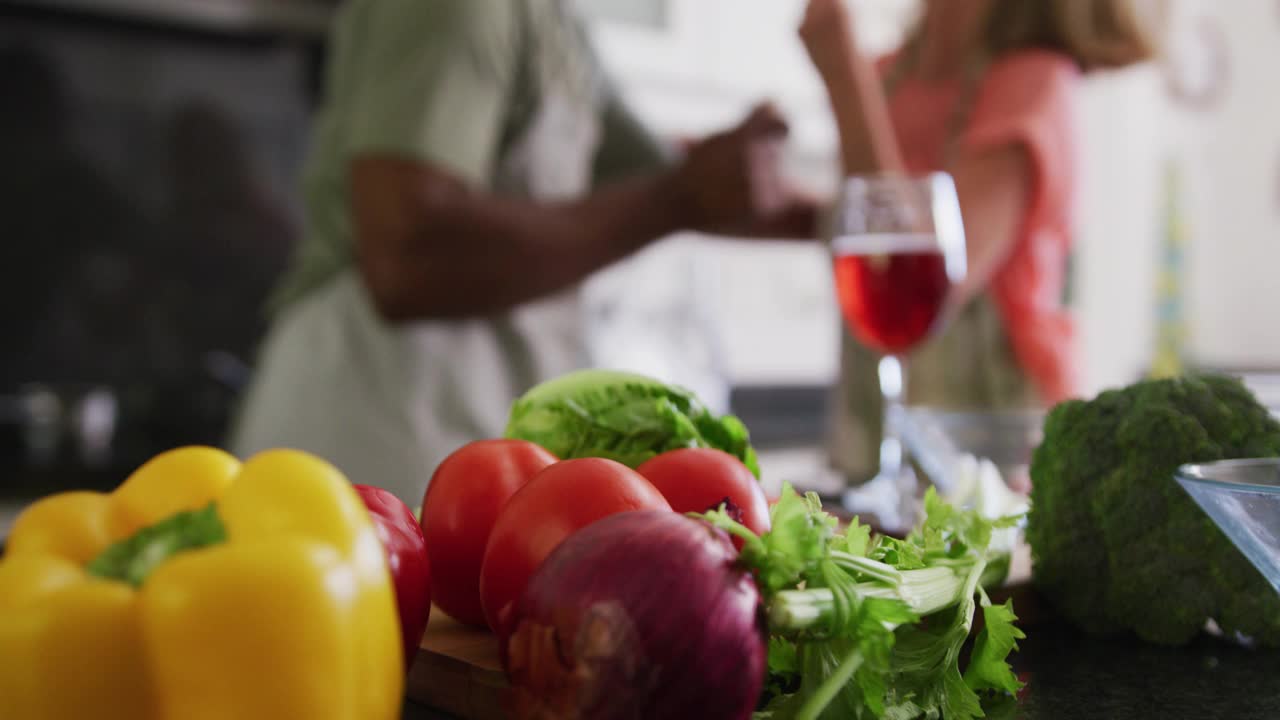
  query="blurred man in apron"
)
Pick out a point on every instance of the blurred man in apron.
point(470, 168)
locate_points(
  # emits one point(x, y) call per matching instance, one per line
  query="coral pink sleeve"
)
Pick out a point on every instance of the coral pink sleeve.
point(1027, 99)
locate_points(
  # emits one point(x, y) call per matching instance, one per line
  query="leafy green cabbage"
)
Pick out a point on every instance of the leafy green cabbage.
point(624, 417)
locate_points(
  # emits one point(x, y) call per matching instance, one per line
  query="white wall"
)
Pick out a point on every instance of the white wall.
point(1232, 161)
point(1118, 222)
point(1227, 156)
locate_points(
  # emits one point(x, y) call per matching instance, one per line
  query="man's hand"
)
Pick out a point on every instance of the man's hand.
point(732, 182)
point(430, 246)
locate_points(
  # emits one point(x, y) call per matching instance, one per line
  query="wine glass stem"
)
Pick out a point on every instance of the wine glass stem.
point(893, 386)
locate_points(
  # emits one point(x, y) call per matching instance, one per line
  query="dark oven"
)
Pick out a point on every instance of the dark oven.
point(148, 194)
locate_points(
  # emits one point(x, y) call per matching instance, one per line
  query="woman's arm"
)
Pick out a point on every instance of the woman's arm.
point(994, 185)
point(995, 189)
point(868, 143)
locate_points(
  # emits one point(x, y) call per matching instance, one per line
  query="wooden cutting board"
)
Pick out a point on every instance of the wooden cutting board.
point(458, 671)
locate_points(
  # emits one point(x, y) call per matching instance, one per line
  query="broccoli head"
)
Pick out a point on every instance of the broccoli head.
point(1117, 544)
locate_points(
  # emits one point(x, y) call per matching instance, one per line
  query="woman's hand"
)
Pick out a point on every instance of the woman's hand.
point(827, 33)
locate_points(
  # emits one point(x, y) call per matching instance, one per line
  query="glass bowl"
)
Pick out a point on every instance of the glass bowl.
point(1243, 498)
point(937, 439)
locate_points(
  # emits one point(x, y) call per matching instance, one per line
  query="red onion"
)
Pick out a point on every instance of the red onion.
point(642, 614)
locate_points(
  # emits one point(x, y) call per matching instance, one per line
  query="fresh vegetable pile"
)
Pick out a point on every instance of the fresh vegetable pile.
point(618, 544)
point(607, 603)
point(654, 613)
point(1117, 544)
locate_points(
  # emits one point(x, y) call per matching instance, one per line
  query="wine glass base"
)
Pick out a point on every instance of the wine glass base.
point(889, 500)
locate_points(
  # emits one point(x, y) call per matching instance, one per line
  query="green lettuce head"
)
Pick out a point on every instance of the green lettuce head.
point(624, 417)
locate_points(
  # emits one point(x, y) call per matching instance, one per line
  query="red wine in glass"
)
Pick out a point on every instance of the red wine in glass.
point(891, 301)
point(897, 246)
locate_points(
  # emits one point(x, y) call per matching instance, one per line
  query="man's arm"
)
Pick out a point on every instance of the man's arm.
point(429, 246)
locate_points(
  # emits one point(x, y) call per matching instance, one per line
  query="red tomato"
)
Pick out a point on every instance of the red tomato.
point(700, 479)
point(402, 542)
point(462, 504)
point(561, 499)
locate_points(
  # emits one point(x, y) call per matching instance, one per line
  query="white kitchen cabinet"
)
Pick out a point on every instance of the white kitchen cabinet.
point(653, 42)
point(705, 62)
point(771, 307)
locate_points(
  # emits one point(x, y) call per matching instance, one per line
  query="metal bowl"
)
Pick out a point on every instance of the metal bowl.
point(1243, 498)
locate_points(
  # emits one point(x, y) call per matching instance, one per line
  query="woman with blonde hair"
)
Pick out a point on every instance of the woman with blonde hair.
point(984, 90)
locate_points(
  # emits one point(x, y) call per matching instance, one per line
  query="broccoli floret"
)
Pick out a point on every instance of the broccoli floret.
point(1117, 544)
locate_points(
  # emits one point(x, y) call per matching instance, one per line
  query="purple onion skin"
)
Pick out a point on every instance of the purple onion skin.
point(639, 615)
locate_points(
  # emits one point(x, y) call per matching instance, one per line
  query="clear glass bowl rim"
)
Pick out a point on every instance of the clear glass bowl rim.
point(1195, 474)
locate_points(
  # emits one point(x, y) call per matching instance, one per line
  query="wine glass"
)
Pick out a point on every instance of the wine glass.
point(897, 246)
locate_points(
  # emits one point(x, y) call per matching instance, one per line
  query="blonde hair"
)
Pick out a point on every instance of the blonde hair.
point(1096, 34)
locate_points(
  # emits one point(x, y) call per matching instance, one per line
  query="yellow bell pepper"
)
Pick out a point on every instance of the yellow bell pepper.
point(293, 616)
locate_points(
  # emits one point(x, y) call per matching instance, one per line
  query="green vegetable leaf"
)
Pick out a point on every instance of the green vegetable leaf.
point(782, 656)
point(729, 434)
point(1006, 522)
point(902, 554)
point(1000, 707)
point(624, 417)
point(847, 614)
point(797, 540)
point(783, 671)
point(875, 640)
point(720, 518)
point(960, 702)
point(988, 669)
point(879, 624)
point(131, 560)
point(949, 531)
point(856, 540)
point(926, 676)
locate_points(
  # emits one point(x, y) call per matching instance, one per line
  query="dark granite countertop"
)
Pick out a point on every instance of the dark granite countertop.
point(1071, 676)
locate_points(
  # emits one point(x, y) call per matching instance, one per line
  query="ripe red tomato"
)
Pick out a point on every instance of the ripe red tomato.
point(462, 503)
point(407, 560)
point(561, 499)
point(700, 479)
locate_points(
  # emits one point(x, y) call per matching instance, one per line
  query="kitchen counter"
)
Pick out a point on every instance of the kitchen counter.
point(1068, 674)
point(1071, 676)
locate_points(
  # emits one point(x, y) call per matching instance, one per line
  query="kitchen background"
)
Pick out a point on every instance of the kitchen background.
point(150, 149)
